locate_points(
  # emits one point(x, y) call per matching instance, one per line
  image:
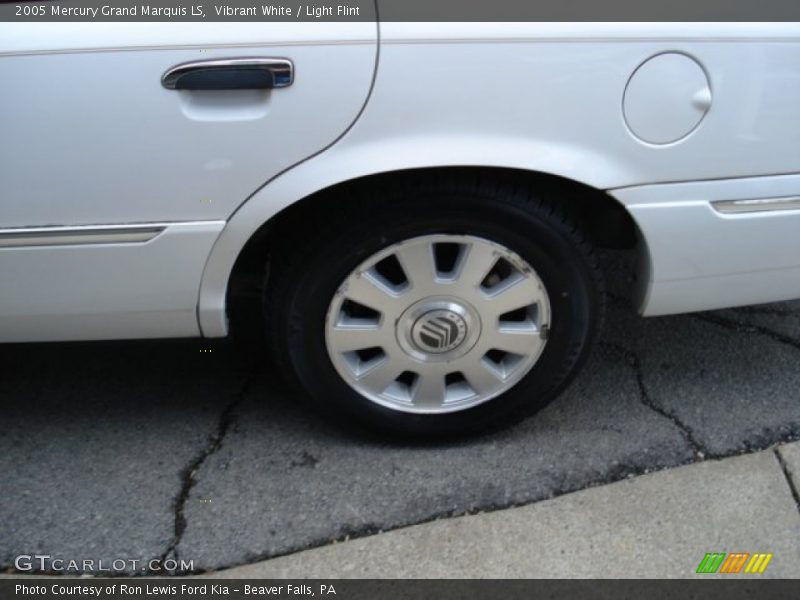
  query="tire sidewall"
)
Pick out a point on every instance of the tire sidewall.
point(544, 242)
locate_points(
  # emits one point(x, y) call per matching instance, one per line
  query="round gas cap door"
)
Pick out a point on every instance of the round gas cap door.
point(666, 98)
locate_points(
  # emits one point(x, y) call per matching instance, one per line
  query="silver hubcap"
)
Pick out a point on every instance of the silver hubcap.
point(437, 324)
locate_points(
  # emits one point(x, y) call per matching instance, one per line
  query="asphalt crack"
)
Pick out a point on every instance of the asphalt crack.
point(644, 396)
point(788, 476)
point(739, 327)
point(189, 473)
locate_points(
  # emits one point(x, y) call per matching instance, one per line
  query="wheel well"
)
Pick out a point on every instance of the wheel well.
point(604, 219)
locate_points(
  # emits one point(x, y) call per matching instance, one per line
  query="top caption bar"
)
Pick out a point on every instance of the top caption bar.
point(403, 10)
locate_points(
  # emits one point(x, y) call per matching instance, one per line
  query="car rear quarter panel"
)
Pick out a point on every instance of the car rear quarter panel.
point(546, 98)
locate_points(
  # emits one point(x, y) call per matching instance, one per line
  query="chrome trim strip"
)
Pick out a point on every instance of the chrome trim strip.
point(757, 205)
point(73, 236)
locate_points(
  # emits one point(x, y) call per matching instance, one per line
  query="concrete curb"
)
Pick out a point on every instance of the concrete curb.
point(656, 526)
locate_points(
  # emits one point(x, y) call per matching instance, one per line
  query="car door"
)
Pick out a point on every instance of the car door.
point(116, 180)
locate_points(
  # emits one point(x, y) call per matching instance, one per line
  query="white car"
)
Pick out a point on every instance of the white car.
point(424, 201)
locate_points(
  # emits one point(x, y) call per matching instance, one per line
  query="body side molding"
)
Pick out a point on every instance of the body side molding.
point(23, 237)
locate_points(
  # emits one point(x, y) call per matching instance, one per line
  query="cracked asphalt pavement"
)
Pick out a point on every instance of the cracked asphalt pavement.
point(195, 449)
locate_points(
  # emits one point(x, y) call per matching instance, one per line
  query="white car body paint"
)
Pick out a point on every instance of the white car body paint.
point(90, 136)
point(532, 96)
point(106, 291)
point(108, 144)
point(703, 259)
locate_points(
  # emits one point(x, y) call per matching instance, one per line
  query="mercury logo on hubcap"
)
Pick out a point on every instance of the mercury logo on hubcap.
point(439, 331)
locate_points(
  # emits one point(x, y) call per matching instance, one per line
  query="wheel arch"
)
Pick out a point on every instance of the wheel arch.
point(237, 260)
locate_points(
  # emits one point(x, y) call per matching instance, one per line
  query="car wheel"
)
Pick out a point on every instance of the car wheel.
point(433, 306)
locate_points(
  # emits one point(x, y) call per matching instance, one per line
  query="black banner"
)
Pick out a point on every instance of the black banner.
point(59, 588)
point(402, 10)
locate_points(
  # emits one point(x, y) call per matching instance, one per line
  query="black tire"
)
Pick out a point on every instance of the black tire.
point(310, 262)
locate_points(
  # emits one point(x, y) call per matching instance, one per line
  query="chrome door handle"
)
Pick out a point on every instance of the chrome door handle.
point(230, 74)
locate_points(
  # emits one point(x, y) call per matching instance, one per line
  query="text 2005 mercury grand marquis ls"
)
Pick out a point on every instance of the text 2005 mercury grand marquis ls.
point(424, 201)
